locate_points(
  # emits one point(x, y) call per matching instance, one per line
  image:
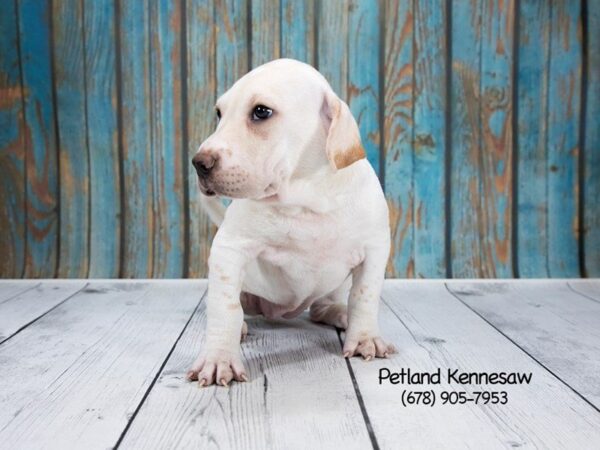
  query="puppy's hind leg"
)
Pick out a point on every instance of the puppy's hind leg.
point(332, 310)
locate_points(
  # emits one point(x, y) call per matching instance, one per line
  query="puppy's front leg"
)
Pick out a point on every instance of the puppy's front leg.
point(362, 335)
point(220, 360)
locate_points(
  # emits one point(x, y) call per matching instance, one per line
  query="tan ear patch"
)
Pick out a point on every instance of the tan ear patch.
point(343, 138)
point(344, 159)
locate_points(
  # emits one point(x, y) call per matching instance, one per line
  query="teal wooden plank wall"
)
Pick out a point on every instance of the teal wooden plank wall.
point(481, 117)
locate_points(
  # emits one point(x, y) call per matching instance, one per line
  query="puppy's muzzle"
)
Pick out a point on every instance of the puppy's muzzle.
point(204, 162)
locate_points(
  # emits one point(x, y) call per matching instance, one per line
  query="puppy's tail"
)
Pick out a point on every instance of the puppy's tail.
point(214, 208)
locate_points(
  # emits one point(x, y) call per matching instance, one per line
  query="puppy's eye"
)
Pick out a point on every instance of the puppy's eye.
point(218, 114)
point(261, 112)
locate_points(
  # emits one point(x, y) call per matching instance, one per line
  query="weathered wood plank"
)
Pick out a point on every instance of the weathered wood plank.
point(40, 143)
point(168, 162)
point(73, 162)
point(155, 217)
point(101, 351)
point(398, 134)
point(588, 288)
point(201, 120)
point(138, 160)
point(466, 210)
point(432, 330)
point(291, 400)
point(10, 289)
point(591, 149)
point(103, 138)
point(564, 93)
point(559, 328)
point(532, 215)
point(231, 18)
point(481, 138)
point(495, 170)
point(21, 309)
point(428, 142)
point(266, 31)
point(12, 148)
point(298, 30)
point(363, 74)
point(232, 44)
point(332, 46)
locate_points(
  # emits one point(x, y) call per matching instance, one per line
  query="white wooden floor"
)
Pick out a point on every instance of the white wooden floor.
point(100, 364)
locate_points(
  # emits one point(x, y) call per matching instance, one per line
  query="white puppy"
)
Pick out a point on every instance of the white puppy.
point(308, 226)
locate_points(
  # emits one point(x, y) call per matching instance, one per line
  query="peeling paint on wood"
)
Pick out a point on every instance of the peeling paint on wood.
point(165, 76)
point(532, 220)
point(332, 45)
point(67, 136)
point(398, 125)
point(564, 92)
point(266, 31)
point(496, 169)
point(429, 131)
point(73, 159)
point(591, 149)
point(363, 74)
point(201, 88)
point(12, 149)
point(231, 18)
point(138, 157)
point(103, 138)
point(40, 143)
point(297, 30)
point(481, 138)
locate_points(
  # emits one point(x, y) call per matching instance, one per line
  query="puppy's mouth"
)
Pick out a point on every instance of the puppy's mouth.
point(208, 191)
point(211, 188)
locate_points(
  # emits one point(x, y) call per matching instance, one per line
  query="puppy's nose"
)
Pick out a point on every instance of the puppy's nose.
point(204, 162)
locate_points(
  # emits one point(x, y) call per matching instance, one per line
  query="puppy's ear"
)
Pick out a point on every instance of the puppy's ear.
point(343, 138)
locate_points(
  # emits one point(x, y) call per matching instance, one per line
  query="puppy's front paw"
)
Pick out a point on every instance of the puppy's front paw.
point(367, 346)
point(217, 367)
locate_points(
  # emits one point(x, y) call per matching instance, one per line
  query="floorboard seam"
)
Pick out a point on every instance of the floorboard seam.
point(571, 288)
point(158, 373)
point(45, 313)
point(522, 349)
point(20, 293)
point(406, 327)
point(359, 398)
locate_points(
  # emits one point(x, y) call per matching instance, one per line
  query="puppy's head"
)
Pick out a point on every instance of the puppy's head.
point(278, 121)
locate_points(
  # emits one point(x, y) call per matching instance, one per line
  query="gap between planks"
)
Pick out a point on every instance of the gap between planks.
point(93, 360)
point(571, 327)
point(267, 382)
point(441, 332)
point(288, 401)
